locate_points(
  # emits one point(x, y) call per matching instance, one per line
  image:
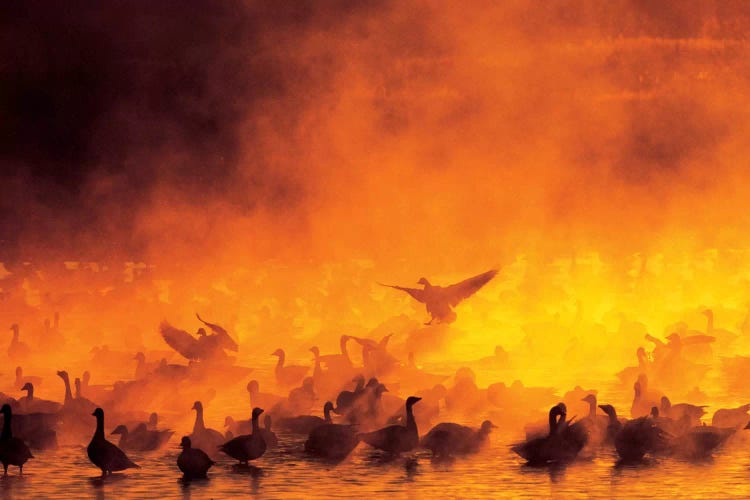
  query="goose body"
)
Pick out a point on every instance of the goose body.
point(31, 404)
point(396, 439)
point(304, 424)
point(203, 437)
point(448, 439)
point(332, 441)
point(105, 455)
point(289, 375)
point(346, 399)
point(13, 451)
point(193, 462)
point(248, 446)
point(268, 435)
point(141, 439)
point(639, 437)
point(562, 444)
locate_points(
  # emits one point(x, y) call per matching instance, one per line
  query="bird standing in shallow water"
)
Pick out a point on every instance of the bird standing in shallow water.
point(105, 455)
point(13, 451)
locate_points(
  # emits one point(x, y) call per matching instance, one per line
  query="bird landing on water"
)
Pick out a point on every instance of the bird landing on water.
point(441, 300)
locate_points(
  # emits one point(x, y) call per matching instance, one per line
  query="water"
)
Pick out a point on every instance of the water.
point(287, 473)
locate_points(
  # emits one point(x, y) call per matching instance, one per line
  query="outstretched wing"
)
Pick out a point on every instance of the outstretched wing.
point(180, 340)
point(416, 293)
point(459, 291)
point(225, 340)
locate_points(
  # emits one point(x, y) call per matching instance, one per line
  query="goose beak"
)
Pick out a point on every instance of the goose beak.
point(93, 414)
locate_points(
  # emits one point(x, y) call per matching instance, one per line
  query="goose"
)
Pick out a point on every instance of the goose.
point(596, 425)
point(78, 404)
point(141, 439)
point(676, 412)
point(105, 455)
point(724, 336)
point(202, 437)
point(331, 441)
point(13, 451)
point(248, 446)
point(440, 300)
point(143, 369)
point(304, 424)
point(700, 441)
point(235, 428)
point(613, 423)
point(339, 363)
point(262, 399)
point(193, 462)
point(639, 437)
point(735, 418)
point(21, 380)
point(17, 350)
point(268, 435)
point(396, 439)
point(562, 444)
point(288, 375)
point(31, 404)
point(642, 405)
point(446, 439)
point(346, 399)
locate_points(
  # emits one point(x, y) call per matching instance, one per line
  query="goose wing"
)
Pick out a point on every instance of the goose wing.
point(181, 341)
point(459, 291)
point(416, 293)
point(226, 340)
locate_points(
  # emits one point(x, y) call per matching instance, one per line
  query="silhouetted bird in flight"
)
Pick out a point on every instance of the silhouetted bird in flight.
point(440, 300)
point(204, 347)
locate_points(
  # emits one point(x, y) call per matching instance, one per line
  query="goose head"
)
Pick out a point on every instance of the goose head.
point(98, 413)
point(28, 386)
point(411, 400)
point(314, 349)
point(423, 281)
point(487, 427)
point(253, 387)
point(5, 410)
point(197, 406)
point(257, 412)
point(609, 410)
point(140, 357)
point(328, 406)
point(278, 352)
point(63, 374)
point(185, 443)
point(120, 429)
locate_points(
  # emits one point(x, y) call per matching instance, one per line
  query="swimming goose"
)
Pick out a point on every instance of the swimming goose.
point(141, 439)
point(13, 451)
point(31, 404)
point(193, 462)
point(304, 424)
point(339, 363)
point(268, 435)
point(332, 441)
point(262, 399)
point(396, 439)
point(288, 375)
point(248, 446)
point(447, 439)
point(639, 437)
point(691, 413)
point(562, 444)
point(78, 404)
point(613, 423)
point(21, 380)
point(700, 441)
point(735, 418)
point(202, 437)
point(17, 350)
point(108, 457)
point(346, 399)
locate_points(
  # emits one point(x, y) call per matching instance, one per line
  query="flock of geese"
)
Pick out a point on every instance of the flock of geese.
point(354, 413)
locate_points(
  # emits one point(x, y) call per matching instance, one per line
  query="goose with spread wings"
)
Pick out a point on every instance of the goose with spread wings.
point(440, 300)
point(204, 347)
